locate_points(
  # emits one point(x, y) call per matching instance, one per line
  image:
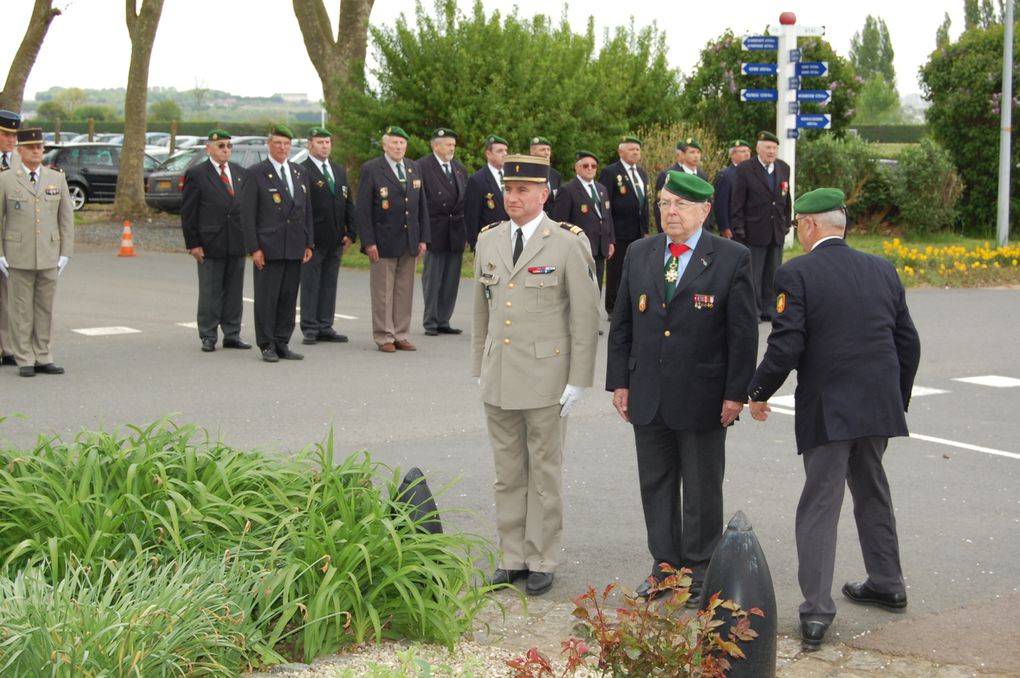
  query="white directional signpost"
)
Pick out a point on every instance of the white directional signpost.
point(789, 70)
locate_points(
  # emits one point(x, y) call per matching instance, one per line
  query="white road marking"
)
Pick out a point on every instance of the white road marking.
point(933, 439)
point(788, 401)
point(993, 380)
point(924, 390)
point(191, 326)
point(104, 331)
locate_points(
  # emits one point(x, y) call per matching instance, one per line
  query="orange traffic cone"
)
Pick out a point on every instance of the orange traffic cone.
point(127, 249)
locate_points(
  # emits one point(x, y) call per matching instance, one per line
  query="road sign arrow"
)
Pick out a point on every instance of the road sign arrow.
point(818, 96)
point(759, 95)
point(812, 69)
point(758, 69)
point(760, 42)
point(814, 121)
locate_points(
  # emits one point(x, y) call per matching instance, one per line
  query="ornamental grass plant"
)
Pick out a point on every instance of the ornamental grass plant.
point(320, 552)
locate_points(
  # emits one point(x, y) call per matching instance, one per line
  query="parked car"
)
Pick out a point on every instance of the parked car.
point(157, 138)
point(91, 170)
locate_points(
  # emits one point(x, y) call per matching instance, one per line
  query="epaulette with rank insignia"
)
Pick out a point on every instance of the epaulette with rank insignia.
point(483, 229)
point(57, 169)
point(576, 230)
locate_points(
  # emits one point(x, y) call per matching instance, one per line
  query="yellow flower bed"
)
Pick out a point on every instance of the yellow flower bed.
point(954, 265)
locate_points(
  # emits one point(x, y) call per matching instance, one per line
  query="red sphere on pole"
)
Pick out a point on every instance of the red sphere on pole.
point(787, 18)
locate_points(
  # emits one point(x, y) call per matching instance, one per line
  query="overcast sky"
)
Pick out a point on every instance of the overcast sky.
point(254, 47)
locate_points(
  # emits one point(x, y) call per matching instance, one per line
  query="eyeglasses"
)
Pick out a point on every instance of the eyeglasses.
point(666, 205)
point(588, 165)
point(224, 144)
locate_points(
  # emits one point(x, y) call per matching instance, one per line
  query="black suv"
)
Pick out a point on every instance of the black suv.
point(91, 170)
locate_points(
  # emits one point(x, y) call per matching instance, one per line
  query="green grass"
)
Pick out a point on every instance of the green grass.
point(334, 558)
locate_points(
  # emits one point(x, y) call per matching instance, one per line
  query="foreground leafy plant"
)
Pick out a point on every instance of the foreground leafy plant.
point(334, 558)
point(654, 637)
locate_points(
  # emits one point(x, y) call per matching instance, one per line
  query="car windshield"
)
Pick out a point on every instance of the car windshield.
point(179, 161)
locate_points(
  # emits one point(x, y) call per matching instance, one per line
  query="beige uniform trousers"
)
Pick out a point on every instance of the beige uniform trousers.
point(6, 346)
point(31, 295)
point(391, 281)
point(528, 450)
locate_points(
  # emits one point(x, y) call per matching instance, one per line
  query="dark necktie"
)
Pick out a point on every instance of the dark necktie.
point(518, 244)
point(7, 165)
point(283, 179)
point(31, 178)
point(772, 176)
point(501, 181)
point(401, 177)
point(638, 193)
point(446, 169)
point(595, 199)
point(673, 269)
point(225, 179)
point(329, 178)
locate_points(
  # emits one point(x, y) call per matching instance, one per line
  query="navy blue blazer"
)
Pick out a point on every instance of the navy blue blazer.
point(446, 203)
point(210, 216)
point(721, 198)
point(842, 322)
point(332, 213)
point(392, 218)
point(759, 214)
point(630, 215)
point(686, 357)
point(483, 203)
point(274, 221)
point(574, 206)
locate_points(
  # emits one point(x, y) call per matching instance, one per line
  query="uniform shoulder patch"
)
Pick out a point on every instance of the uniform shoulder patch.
point(483, 229)
point(576, 230)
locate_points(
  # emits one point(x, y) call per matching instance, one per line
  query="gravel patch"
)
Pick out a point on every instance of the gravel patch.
point(159, 234)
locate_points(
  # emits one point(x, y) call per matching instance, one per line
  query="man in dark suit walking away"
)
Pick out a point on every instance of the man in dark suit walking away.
point(276, 215)
point(682, 348)
point(584, 202)
point(393, 222)
point(483, 196)
point(211, 221)
point(627, 184)
point(842, 322)
point(333, 219)
point(760, 216)
point(445, 181)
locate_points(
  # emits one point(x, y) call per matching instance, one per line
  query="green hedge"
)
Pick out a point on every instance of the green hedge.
point(891, 134)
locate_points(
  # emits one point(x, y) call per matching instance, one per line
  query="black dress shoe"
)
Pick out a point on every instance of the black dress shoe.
point(48, 368)
point(644, 591)
point(269, 355)
point(694, 601)
point(503, 577)
point(334, 337)
point(286, 354)
point(862, 594)
point(538, 583)
point(27, 371)
point(309, 340)
point(208, 345)
point(431, 333)
point(235, 343)
point(449, 330)
point(8, 360)
point(811, 634)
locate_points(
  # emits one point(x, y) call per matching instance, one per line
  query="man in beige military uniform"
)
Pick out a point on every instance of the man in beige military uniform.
point(36, 242)
point(9, 159)
point(533, 344)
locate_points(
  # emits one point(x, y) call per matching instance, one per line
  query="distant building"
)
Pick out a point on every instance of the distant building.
point(292, 97)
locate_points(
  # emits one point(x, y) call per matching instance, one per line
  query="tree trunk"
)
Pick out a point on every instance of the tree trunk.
point(14, 89)
point(335, 60)
point(141, 24)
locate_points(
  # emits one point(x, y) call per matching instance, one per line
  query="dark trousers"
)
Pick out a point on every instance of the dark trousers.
point(220, 287)
point(829, 468)
point(600, 269)
point(440, 282)
point(276, 291)
point(681, 476)
point(614, 270)
point(318, 290)
point(764, 262)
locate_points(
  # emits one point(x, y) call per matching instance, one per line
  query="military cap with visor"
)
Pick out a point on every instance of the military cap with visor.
point(9, 121)
point(530, 168)
point(31, 135)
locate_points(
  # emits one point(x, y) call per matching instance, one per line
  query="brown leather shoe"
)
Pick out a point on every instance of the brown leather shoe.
point(405, 345)
point(388, 348)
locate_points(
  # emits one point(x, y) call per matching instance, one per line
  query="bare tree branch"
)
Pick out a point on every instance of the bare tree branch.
point(13, 93)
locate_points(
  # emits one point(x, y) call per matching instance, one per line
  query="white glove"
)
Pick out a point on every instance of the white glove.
point(571, 396)
point(61, 263)
point(3, 266)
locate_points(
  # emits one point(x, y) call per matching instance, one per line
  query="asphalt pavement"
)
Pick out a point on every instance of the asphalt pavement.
point(124, 329)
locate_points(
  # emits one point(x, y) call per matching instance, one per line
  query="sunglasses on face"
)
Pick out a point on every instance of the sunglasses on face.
point(224, 144)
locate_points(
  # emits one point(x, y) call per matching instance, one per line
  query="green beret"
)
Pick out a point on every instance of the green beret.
point(689, 186)
point(394, 131)
point(820, 200)
point(689, 142)
point(767, 136)
point(737, 143)
point(218, 135)
point(444, 133)
point(9, 121)
point(630, 140)
point(540, 141)
point(586, 154)
point(318, 131)
point(530, 168)
point(495, 139)
point(281, 131)
point(31, 135)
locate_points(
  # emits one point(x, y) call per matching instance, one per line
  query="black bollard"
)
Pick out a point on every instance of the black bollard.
point(415, 492)
point(739, 572)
